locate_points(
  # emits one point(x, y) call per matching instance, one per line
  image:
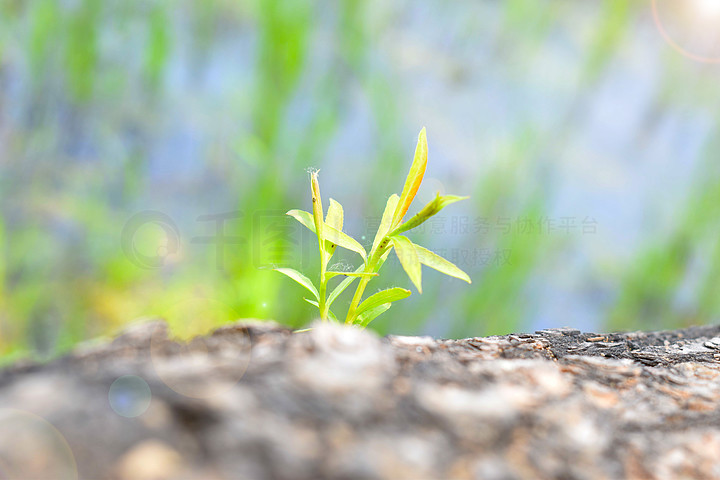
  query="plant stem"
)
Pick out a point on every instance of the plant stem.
point(356, 299)
point(322, 301)
point(372, 266)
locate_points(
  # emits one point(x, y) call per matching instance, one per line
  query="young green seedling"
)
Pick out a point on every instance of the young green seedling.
point(328, 229)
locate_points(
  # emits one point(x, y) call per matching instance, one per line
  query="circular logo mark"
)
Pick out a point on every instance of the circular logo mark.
point(146, 231)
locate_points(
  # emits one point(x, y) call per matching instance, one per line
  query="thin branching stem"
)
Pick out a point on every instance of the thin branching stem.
point(372, 266)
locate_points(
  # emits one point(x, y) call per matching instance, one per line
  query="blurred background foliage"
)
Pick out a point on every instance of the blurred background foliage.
point(149, 148)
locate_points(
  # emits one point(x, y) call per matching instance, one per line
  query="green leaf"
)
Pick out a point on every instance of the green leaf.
point(381, 297)
point(386, 222)
point(437, 262)
point(317, 207)
point(432, 208)
point(342, 286)
point(371, 314)
point(405, 251)
point(333, 273)
point(334, 218)
point(331, 234)
point(303, 217)
point(299, 278)
point(335, 215)
point(414, 178)
point(343, 240)
point(313, 302)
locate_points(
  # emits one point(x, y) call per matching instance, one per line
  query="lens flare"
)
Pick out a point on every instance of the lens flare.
point(31, 447)
point(708, 7)
point(689, 27)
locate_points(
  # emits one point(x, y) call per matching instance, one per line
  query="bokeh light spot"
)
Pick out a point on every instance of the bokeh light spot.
point(31, 447)
point(129, 396)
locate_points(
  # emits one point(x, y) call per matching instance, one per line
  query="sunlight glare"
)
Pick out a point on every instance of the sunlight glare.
point(708, 7)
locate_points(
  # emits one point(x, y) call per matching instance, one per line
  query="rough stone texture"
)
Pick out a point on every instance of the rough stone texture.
point(256, 401)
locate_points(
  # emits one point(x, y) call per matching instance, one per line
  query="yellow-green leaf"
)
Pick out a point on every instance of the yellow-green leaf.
point(384, 296)
point(299, 278)
point(437, 262)
point(370, 315)
point(387, 218)
point(343, 240)
point(303, 217)
point(414, 178)
point(432, 208)
point(332, 273)
point(335, 215)
point(313, 302)
point(334, 218)
point(331, 234)
point(342, 286)
point(405, 251)
point(317, 205)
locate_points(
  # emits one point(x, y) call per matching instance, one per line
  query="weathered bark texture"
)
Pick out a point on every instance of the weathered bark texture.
point(255, 401)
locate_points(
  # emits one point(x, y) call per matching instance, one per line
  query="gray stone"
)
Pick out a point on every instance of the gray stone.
point(255, 400)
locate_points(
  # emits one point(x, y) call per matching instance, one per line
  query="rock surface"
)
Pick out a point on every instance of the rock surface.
point(256, 401)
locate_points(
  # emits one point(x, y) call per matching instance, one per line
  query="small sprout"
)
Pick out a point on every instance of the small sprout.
point(328, 229)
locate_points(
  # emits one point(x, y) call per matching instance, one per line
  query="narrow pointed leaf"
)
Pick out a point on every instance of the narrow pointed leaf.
point(334, 218)
point(342, 286)
point(313, 302)
point(405, 251)
point(331, 274)
point(370, 315)
point(317, 206)
point(335, 215)
point(343, 240)
point(299, 278)
point(384, 296)
point(414, 178)
point(303, 217)
point(432, 208)
point(331, 234)
point(437, 262)
point(387, 218)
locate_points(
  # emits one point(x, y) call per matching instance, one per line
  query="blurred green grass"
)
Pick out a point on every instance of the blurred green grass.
point(201, 107)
